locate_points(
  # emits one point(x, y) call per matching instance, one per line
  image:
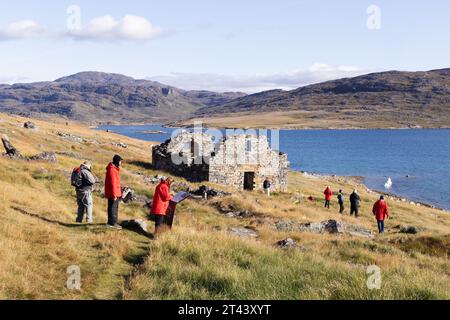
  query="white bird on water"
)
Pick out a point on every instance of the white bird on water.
point(388, 183)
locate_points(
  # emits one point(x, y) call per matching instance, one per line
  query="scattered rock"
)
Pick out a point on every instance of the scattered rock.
point(29, 125)
point(45, 156)
point(69, 154)
point(243, 232)
point(207, 192)
point(120, 145)
point(73, 138)
point(239, 214)
point(329, 226)
point(287, 243)
point(409, 229)
point(358, 231)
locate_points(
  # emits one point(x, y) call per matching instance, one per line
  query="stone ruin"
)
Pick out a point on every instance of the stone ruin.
point(242, 161)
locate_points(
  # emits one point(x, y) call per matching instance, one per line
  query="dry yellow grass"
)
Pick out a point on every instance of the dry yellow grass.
point(200, 258)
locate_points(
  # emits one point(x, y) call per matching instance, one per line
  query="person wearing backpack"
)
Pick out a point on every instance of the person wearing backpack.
point(83, 180)
point(113, 191)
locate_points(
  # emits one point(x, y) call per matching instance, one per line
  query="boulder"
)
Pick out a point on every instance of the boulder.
point(409, 229)
point(287, 243)
point(138, 225)
point(29, 125)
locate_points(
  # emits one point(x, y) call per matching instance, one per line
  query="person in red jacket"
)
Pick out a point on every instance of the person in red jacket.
point(160, 203)
point(113, 191)
point(381, 212)
point(328, 194)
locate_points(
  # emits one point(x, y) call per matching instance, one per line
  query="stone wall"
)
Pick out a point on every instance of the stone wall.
point(197, 157)
point(248, 153)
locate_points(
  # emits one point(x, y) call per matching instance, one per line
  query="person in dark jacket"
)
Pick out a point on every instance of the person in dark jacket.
point(340, 197)
point(113, 191)
point(354, 203)
point(266, 186)
point(381, 212)
point(84, 193)
point(328, 194)
point(160, 204)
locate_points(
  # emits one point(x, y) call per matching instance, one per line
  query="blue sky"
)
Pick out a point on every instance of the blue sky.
point(245, 45)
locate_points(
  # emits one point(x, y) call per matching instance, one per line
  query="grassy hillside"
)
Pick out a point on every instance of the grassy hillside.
point(200, 258)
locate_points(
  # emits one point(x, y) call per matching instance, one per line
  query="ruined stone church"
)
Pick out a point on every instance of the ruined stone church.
point(242, 161)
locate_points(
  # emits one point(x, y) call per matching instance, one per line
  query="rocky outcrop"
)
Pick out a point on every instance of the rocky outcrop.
point(45, 156)
point(329, 226)
point(11, 151)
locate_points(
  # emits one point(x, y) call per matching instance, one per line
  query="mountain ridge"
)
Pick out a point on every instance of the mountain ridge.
point(89, 96)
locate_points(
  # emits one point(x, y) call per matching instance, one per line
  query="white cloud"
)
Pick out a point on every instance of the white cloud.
point(259, 82)
point(6, 79)
point(22, 29)
point(130, 27)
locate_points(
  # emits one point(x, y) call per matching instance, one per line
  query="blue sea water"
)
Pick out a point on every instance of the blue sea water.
point(417, 161)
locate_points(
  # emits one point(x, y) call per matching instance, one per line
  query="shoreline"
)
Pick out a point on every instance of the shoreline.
point(357, 179)
point(170, 126)
point(360, 180)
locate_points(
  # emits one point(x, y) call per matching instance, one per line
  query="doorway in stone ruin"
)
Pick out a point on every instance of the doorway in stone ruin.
point(249, 181)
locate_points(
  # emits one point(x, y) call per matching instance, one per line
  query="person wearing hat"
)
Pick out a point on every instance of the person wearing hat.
point(381, 212)
point(84, 191)
point(355, 200)
point(113, 191)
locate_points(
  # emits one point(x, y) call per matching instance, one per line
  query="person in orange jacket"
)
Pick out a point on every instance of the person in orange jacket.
point(328, 194)
point(160, 204)
point(113, 191)
point(381, 212)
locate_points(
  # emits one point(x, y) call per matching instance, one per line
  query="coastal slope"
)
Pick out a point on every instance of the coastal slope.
point(225, 247)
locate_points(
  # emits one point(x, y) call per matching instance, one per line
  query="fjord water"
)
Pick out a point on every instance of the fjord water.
point(417, 161)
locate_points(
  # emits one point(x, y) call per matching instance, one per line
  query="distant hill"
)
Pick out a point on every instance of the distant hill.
point(374, 100)
point(104, 97)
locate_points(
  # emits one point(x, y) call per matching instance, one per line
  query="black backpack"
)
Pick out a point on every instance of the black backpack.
point(76, 179)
